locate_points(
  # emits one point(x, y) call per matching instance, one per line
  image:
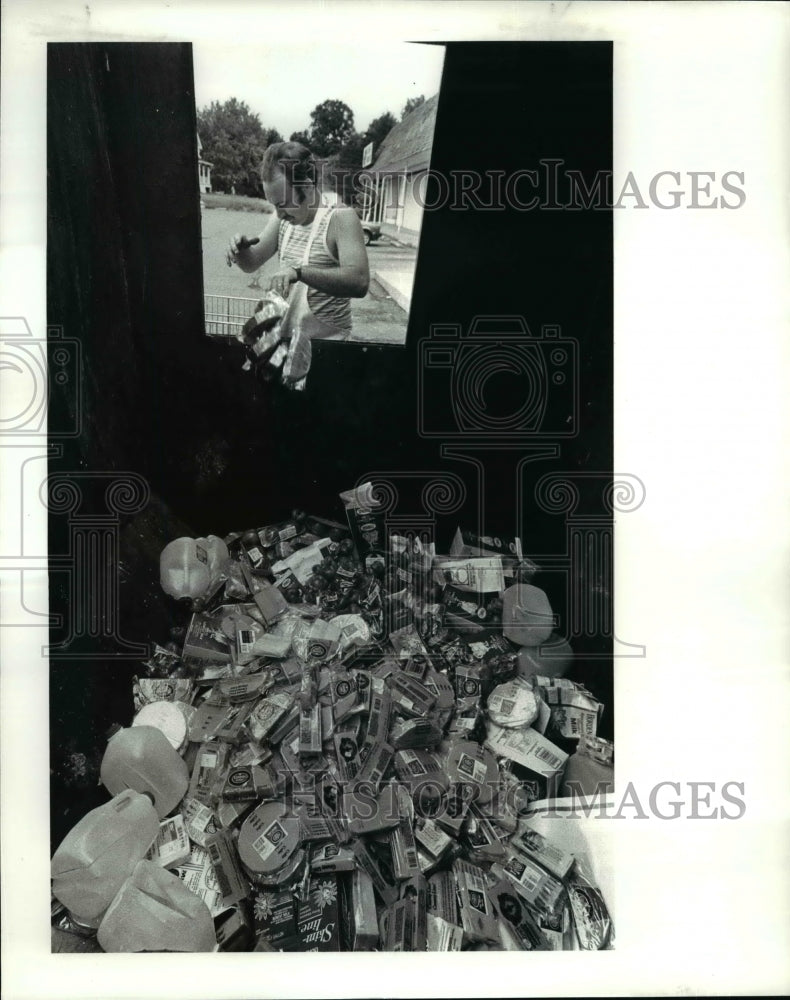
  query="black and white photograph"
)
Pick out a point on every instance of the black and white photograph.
point(333, 575)
point(367, 382)
point(350, 129)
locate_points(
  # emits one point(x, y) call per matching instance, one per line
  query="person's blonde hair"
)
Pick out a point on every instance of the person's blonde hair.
point(293, 159)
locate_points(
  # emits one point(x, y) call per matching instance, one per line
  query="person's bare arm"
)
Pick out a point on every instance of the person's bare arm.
point(350, 278)
point(250, 258)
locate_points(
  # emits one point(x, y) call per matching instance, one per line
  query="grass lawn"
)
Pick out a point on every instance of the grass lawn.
point(236, 203)
point(218, 226)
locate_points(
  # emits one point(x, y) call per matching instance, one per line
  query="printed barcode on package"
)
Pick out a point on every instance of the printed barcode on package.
point(262, 845)
point(543, 754)
point(399, 919)
point(525, 875)
point(219, 871)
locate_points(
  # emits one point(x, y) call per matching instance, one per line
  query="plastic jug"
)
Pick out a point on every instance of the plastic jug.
point(589, 771)
point(527, 618)
point(100, 852)
point(142, 758)
point(167, 716)
point(154, 911)
point(550, 659)
point(191, 568)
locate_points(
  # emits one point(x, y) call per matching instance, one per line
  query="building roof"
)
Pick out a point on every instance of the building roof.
point(408, 146)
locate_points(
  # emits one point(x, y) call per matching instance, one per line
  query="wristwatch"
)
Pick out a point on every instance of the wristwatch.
point(298, 273)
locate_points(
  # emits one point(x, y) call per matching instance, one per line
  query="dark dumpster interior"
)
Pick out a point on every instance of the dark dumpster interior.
point(204, 449)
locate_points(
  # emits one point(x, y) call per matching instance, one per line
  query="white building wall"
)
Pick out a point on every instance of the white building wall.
point(391, 200)
point(412, 206)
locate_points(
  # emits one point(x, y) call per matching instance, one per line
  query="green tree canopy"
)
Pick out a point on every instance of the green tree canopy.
point(379, 129)
point(343, 166)
point(331, 126)
point(234, 141)
point(411, 104)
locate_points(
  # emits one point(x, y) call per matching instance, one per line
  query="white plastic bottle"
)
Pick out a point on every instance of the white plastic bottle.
point(142, 758)
point(550, 659)
point(527, 618)
point(190, 568)
point(100, 852)
point(154, 911)
point(167, 716)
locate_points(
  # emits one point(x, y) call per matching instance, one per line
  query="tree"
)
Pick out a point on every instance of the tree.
point(379, 129)
point(331, 126)
point(342, 167)
point(233, 142)
point(411, 104)
point(303, 137)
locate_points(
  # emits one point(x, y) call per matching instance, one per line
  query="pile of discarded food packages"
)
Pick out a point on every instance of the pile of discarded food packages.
point(340, 750)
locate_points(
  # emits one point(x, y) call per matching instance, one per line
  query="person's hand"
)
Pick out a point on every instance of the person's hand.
point(238, 243)
point(281, 281)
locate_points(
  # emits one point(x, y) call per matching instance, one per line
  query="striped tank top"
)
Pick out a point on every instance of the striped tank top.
point(291, 245)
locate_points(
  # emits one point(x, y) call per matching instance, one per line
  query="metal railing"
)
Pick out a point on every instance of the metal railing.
point(227, 314)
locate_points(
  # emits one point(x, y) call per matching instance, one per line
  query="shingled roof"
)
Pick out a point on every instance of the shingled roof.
point(408, 146)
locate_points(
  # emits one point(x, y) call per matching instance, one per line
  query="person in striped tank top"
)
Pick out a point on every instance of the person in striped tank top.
point(321, 246)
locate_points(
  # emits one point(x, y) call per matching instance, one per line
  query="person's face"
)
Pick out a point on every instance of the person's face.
point(288, 201)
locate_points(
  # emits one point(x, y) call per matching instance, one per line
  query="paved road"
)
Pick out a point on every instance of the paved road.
point(377, 318)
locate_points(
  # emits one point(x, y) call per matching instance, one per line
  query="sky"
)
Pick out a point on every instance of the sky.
point(283, 83)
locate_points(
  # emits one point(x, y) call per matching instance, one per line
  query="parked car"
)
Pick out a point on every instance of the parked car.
point(372, 231)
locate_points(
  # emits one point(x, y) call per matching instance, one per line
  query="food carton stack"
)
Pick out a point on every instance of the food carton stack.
point(363, 749)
